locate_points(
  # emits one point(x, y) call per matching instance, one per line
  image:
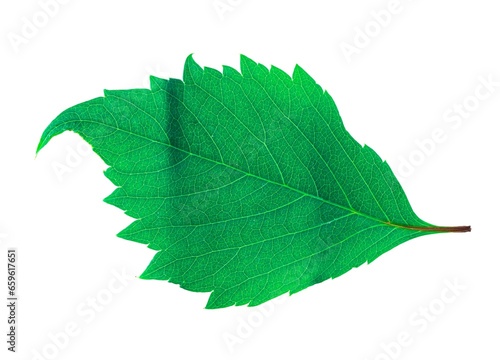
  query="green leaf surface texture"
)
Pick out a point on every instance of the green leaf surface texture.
point(246, 184)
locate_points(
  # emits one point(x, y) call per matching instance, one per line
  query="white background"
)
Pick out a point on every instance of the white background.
point(426, 59)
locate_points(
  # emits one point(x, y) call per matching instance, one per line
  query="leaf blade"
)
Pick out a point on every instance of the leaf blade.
point(246, 184)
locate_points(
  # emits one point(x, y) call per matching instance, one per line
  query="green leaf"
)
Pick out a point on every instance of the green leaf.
point(246, 184)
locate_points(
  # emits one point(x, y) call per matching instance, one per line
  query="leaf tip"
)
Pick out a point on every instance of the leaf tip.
point(144, 276)
point(246, 65)
point(156, 83)
point(43, 141)
point(39, 147)
point(191, 67)
point(297, 72)
point(244, 58)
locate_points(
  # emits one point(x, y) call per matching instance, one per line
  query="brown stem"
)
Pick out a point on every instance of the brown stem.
point(443, 229)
